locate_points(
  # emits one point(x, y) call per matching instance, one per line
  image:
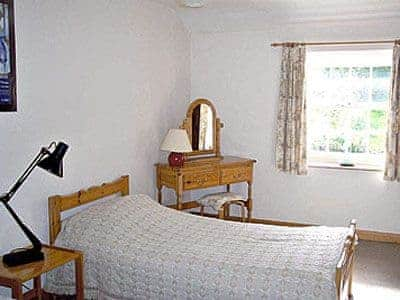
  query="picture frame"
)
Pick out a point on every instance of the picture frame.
point(8, 78)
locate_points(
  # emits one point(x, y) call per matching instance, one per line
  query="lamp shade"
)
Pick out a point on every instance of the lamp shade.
point(176, 140)
point(54, 162)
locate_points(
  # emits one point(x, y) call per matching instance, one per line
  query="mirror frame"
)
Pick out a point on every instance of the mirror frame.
point(187, 125)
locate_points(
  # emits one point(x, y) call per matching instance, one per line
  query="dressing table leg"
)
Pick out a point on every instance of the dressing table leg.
point(249, 201)
point(179, 192)
point(159, 185)
point(159, 194)
point(179, 200)
point(226, 209)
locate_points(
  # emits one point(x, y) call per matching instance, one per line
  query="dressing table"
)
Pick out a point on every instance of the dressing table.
point(204, 166)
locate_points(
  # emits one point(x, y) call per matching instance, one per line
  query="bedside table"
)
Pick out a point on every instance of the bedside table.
point(54, 257)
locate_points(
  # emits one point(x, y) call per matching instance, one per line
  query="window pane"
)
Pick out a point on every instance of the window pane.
point(337, 116)
point(380, 92)
point(340, 89)
point(360, 83)
point(381, 72)
point(319, 143)
point(378, 119)
point(336, 144)
point(362, 72)
point(377, 143)
point(317, 85)
point(359, 120)
point(358, 144)
point(318, 118)
point(381, 83)
point(340, 72)
point(326, 73)
point(360, 91)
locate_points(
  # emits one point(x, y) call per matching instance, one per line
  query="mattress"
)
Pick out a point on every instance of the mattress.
point(135, 248)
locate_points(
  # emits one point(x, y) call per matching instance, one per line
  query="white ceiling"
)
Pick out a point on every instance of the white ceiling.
point(275, 11)
point(290, 6)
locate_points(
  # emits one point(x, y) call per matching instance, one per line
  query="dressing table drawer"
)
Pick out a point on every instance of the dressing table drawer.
point(200, 180)
point(236, 174)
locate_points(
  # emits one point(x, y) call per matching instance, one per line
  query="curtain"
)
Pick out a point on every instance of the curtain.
point(392, 167)
point(291, 128)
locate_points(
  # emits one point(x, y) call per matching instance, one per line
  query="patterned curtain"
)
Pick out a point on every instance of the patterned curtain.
point(291, 130)
point(392, 168)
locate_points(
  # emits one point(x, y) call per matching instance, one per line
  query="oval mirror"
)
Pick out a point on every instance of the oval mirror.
point(203, 127)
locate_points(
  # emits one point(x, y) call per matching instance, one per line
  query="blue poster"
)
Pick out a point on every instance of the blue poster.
point(5, 63)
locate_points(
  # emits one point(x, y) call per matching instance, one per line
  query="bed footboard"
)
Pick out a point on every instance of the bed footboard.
point(344, 268)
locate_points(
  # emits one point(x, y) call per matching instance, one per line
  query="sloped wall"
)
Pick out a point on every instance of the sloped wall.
point(108, 78)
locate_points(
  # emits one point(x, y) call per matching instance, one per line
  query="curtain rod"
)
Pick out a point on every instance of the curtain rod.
point(333, 43)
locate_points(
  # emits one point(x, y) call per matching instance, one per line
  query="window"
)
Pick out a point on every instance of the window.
point(347, 101)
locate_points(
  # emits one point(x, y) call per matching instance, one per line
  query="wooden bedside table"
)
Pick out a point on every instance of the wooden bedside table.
point(54, 257)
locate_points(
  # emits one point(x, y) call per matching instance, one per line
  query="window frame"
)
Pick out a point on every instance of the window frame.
point(362, 162)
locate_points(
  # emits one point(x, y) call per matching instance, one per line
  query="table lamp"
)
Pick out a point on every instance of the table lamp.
point(51, 161)
point(177, 142)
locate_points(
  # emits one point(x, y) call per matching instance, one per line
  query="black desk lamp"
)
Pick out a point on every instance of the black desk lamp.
point(50, 161)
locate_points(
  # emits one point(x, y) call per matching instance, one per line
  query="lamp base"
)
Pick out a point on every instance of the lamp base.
point(176, 159)
point(21, 257)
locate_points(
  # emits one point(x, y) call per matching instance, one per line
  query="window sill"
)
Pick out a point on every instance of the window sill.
point(339, 167)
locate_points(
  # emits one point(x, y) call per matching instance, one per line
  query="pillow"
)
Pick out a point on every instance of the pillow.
point(216, 200)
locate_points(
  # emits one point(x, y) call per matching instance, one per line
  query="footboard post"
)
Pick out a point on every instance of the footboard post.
point(344, 268)
point(354, 242)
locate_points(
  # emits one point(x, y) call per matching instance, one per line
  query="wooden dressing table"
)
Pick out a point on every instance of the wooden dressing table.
point(203, 129)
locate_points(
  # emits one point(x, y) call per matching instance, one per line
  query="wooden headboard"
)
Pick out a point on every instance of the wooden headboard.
point(58, 204)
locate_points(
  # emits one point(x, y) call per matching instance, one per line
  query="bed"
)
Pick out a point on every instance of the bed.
point(135, 248)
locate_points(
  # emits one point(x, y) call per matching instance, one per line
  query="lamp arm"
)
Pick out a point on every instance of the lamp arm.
point(37, 245)
point(7, 197)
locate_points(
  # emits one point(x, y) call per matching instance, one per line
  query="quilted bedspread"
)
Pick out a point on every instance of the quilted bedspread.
point(135, 248)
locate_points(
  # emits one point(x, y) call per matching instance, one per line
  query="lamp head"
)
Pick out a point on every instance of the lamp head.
point(53, 162)
point(176, 140)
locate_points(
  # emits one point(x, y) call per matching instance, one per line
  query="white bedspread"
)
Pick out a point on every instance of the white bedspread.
point(136, 249)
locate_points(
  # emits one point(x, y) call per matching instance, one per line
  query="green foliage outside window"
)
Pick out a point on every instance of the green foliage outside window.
point(381, 72)
point(336, 144)
point(357, 145)
point(346, 111)
point(340, 72)
point(377, 143)
point(360, 72)
point(361, 94)
point(381, 83)
point(337, 116)
point(359, 121)
point(378, 119)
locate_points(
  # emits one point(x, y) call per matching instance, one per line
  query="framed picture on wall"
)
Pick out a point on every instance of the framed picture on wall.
point(8, 82)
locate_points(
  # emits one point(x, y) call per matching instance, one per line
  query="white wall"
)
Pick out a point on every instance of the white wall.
point(107, 77)
point(239, 72)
